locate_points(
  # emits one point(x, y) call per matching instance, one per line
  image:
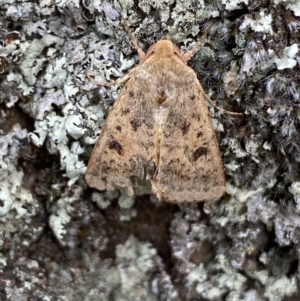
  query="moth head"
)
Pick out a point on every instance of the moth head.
point(164, 47)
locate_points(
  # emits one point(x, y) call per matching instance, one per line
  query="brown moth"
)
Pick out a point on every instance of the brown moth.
point(160, 129)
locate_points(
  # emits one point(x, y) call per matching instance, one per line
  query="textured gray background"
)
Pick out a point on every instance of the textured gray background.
point(60, 240)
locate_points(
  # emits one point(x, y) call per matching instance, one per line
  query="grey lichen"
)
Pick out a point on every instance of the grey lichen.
point(62, 215)
point(141, 274)
point(103, 200)
point(13, 196)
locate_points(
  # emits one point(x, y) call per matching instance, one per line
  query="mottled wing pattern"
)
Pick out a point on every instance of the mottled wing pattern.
point(190, 166)
point(125, 146)
point(160, 127)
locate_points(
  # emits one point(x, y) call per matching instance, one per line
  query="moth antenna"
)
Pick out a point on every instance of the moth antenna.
point(188, 55)
point(119, 81)
point(140, 51)
point(217, 107)
point(100, 83)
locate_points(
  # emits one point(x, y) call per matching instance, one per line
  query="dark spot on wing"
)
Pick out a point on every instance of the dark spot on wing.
point(200, 151)
point(199, 134)
point(195, 116)
point(116, 146)
point(131, 94)
point(125, 111)
point(95, 172)
point(118, 128)
point(104, 168)
point(185, 126)
point(135, 123)
point(192, 97)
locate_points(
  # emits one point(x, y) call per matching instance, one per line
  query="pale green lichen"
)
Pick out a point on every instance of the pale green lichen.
point(3, 262)
point(125, 8)
point(57, 129)
point(100, 201)
point(295, 190)
point(56, 74)
point(11, 181)
point(227, 279)
point(236, 148)
point(197, 274)
point(262, 24)
point(61, 216)
point(126, 203)
point(288, 59)
point(32, 61)
point(276, 288)
point(13, 196)
point(293, 5)
point(104, 199)
point(236, 204)
point(136, 261)
point(234, 4)
point(63, 3)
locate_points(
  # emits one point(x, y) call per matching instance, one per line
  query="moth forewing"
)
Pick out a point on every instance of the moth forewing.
point(160, 125)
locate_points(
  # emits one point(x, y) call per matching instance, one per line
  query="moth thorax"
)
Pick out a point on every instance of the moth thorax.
point(164, 47)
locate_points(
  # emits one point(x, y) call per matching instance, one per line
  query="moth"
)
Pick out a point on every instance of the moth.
point(159, 129)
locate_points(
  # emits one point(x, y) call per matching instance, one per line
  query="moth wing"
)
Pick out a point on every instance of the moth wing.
point(125, 147)
point(190, 167)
